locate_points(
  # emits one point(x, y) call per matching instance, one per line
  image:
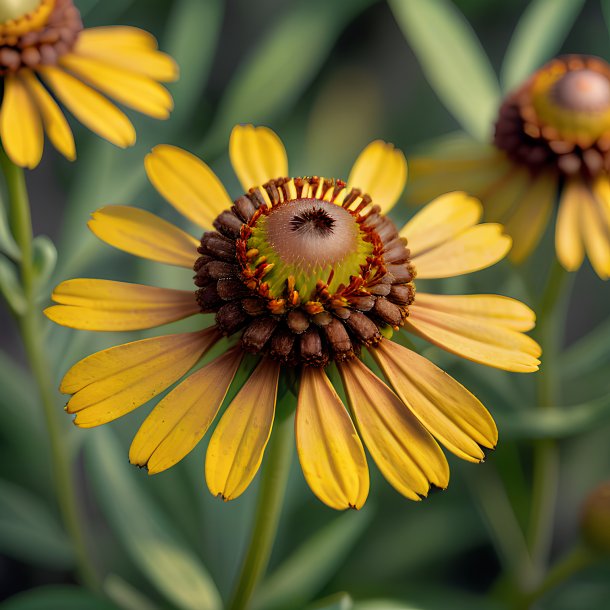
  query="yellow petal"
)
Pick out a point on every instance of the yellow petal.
point(501, 197)
point(20, 124)
point(476, 248)
point(381, 171)
point(499, 310)
point(330, 451)
point(115, 381)
point(134, 90)
point(188, 184)
point(55, 123)
point(527, 223)
point(568, 240)
point(446, 408)
point(236, 448)
point(476, 338)
point(121, 36)
point(143, 234)
point(404, 451)
point(257, 155)
point(595, 228)
point(90, 107)
point(441, 220)
point(180, 420)
point(106, 305)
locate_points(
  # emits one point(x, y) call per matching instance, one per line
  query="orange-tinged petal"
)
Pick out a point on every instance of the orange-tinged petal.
point(55, 123)
point(446, 408)
point(257, 155)
point(115, 381)
point(476, 248)
point(440, 221)
point(188, 184)
point(478, 339)
point(236, 448)
point(330, 451)
point(107, 305)
point(568, 238)
point(404, 451)
point(381, 171)
point(143, 234)
point(90, 107)
point(180, 420)
point(20, 124)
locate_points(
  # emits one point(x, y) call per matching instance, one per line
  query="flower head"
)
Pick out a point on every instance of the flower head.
point(45, 54)
point(302, 273)
point(552, 141)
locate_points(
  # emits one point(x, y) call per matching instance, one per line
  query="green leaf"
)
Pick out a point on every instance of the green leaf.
point(606, 11)
point(537, 37)
point(45, 258)
point(587, 354)
point(28, 531)
point(57, 598)
point(146, 534)
point(125, 595)
point(7, 241)
point(384, 604)
point(453, 61)
point(341, 601)
point(311, 566)
point(10, 288)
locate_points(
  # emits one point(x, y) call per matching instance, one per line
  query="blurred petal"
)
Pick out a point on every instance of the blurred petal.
point(236, 448)
point(381, 171)
point(143, 234)
point(180, 420)
point(115, 381)
point(446, 408)
point(568, 238)
point(106, 305)
point(330, 452)
point(188, 184)
point(595, 228)
point(506, 193)
point(117, 36)
point(404, 451)
point(20, 124)
point(257, 155)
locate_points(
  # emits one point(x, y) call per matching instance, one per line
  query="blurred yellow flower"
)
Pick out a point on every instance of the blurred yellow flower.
point(303, 273)
point(552, 141)
point(44, 50)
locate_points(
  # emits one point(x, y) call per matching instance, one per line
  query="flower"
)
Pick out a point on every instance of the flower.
point(46, 53)
point(302, 273)
point(551, 143)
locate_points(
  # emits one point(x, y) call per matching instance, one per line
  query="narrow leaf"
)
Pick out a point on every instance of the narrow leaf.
point(57, 598)
point(7, 241)
point(537, 37)
point(341, 601)
point(453, 61)
point(45, 258)
point(125, 595)
point(10, 288)
point(588, 353)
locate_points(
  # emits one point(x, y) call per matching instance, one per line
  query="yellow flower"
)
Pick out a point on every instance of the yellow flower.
point(552, 143)
point(303, 273)
point(44, 50)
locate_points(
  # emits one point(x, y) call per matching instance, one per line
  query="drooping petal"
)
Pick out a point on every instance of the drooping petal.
point(55, 123)
point(187, 183)
point(595, 228)
point(115, 381)
point(476, 248)
point(143, 234)
point(527, 223)
point(568, 238)
point(446, 408)
point(257, 155)
point(20, 124)
point(479, 338)
point(90, 107)
point(181, 419)
point(441, 220)
point(404, 451)
point(330, 451)
point(236, 448)
point(89, 304)
point(496, 309)
point(133, 90)
point(381, 171)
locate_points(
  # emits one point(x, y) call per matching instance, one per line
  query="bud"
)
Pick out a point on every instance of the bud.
point(11, 10)
point(595, 518)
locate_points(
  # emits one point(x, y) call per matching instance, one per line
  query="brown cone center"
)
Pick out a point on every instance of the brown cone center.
point(583, 91)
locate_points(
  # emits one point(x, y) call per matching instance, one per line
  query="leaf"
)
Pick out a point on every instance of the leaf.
point(146, 534)
point(8, 245)
point(453, 61)
point(384, 604)
point(312, 565)
point(606, 11)
point(125, 595)
point(341, 601)
point(45, 258)
point(537, 37)
point(588, 353)
point(28, 531)
point(10, 288)
point(57, 598)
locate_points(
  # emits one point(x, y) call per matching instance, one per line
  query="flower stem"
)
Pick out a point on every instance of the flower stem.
point(29, 326)
point(276, 467)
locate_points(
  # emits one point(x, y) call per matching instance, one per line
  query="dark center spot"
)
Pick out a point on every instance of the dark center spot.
point(314, 220)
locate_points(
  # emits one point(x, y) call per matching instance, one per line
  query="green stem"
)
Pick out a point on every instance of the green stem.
point(31, 333)
point(271, 496)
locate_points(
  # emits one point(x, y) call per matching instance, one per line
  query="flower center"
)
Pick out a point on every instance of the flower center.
point(11, 10)
point(582, 91)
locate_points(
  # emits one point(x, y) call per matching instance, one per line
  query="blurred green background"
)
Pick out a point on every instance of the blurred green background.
point(328, 77)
